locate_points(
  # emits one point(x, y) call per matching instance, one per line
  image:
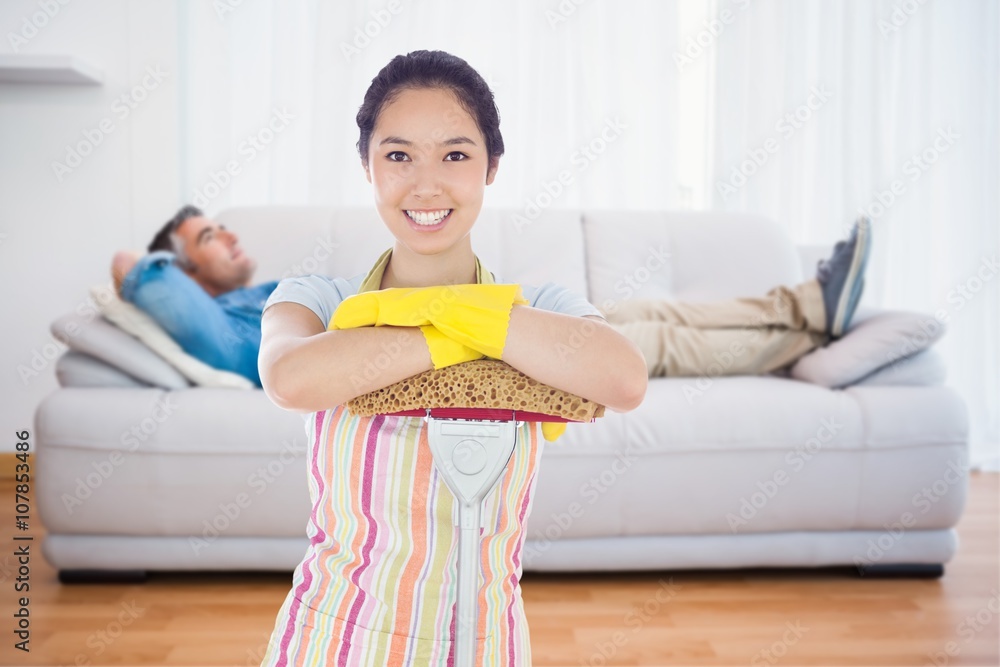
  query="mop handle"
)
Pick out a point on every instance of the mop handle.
point(467, 612)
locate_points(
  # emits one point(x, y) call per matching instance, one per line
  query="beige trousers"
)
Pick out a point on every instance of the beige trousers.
point(747, 336)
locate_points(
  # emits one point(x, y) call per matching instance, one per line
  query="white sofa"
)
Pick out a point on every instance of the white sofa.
point(139, 471)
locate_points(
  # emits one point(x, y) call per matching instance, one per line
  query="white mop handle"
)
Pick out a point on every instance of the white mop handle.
point(467, 616)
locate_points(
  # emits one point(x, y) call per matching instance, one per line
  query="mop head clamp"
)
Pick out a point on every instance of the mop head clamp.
point(485, 389)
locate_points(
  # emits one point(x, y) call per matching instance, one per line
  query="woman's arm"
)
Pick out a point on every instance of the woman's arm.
point(305, 368)
point(581, 355)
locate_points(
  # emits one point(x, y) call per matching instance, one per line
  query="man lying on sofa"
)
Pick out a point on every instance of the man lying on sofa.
point(195, 282)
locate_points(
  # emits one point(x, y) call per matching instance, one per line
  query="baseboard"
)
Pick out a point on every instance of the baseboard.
point(9, 461)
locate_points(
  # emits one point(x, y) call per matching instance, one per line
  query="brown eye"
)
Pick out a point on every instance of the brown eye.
point(398, 156)
point(456, 156)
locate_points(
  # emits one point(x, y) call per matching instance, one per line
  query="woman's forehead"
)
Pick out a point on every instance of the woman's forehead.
point(425, 113)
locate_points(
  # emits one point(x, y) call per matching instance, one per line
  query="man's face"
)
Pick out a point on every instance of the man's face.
point(220, 265)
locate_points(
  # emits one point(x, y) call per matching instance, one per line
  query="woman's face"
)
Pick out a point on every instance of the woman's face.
point(428, 162)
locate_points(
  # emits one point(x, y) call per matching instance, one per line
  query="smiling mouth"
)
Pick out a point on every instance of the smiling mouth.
point(428, 218)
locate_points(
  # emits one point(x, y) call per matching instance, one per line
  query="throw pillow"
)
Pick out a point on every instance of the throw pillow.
point(875, 339)
point(134, 321)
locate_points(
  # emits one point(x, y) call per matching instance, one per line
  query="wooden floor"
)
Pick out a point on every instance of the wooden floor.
point(749, 617)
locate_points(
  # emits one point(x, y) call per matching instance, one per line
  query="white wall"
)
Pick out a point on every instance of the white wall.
point(57, 236)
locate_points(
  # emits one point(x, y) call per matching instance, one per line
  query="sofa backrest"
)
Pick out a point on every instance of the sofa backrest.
point(291, 240)
point(685, 255)
point(608, 255)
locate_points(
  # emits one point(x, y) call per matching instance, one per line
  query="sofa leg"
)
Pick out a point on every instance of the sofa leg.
point(908, 570)
point(102, 576)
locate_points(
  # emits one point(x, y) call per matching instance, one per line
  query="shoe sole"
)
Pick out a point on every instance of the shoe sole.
point(850, 296)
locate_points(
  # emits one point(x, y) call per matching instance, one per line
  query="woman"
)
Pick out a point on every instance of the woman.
point(377, 584)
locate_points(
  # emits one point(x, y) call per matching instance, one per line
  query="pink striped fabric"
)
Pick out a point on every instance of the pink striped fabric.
point(377, 585)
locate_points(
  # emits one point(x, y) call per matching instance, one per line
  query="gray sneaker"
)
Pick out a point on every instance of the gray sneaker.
point(842, 277)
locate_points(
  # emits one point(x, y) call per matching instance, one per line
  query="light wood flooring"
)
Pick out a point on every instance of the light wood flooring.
point(758, 618)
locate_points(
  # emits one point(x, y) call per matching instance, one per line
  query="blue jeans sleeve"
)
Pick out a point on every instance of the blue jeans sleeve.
point(190, 315)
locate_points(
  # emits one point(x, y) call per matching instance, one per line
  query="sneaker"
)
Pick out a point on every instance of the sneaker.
point(841, 277)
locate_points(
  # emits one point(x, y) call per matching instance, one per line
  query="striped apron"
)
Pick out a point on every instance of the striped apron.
point(378, 583)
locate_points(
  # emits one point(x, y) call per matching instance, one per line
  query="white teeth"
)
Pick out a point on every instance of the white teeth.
point(428, 218)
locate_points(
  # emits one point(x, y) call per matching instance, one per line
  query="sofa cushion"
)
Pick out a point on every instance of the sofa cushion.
point(99, 338)
point(754, 455)
point(923, 369)
point(133, 320)
point(76, 369)
point(874, 339)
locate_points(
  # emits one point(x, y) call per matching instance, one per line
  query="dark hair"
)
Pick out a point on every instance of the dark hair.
point(163, 239)
point(432, 69)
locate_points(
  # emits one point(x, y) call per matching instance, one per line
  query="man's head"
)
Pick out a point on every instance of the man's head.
point(207, 252)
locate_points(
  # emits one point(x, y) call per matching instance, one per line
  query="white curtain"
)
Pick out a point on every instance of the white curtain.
point(560, 77)
point(824, 109)
point(806, 111)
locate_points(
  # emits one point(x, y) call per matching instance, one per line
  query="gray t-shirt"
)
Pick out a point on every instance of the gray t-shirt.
point(322, 295)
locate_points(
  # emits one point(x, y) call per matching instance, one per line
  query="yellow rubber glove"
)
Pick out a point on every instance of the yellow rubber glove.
point(475, 315)
point(445, 351)
point(395, 306)
point(480, 318)
point(552, 430)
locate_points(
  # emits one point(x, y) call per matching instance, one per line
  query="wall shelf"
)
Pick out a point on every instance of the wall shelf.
point(48, 69)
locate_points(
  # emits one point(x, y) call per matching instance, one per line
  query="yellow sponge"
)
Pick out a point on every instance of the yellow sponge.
point(484, 383)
